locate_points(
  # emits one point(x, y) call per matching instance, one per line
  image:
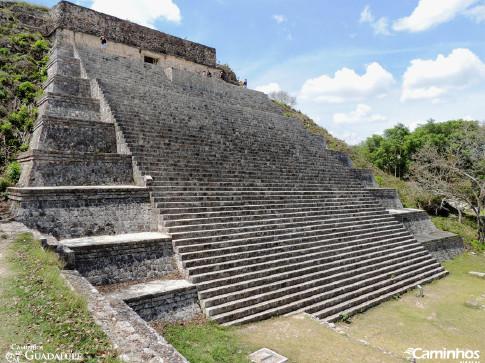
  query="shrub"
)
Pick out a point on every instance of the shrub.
point(4, 184)
point(13, 172)
point(26, 91)
point(6, 128)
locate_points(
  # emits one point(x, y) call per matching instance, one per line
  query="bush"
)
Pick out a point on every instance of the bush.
point(13, 172)
point(4, 184)
point(26, 91)
point(18, 119)
point(6, 128)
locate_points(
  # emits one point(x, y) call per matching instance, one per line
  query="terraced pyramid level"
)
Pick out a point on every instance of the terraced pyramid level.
point(264, 220)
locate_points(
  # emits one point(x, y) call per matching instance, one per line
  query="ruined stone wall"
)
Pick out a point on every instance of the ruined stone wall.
point(34, 18)
point(128, 51)
point(66, 15)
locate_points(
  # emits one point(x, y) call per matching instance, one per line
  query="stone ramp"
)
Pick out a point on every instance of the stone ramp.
point(264, 221)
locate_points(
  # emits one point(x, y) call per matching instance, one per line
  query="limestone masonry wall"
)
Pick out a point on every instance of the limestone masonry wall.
point(121, 262)
point(77, 211)
point(79, 19)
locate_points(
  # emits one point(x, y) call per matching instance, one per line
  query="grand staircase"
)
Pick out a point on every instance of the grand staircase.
point(263, 220)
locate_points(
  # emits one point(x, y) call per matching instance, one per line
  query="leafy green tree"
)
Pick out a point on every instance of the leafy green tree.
point(456, 171)
point(392, 151)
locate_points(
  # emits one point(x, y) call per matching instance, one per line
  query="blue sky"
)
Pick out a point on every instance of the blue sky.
point(356, 67)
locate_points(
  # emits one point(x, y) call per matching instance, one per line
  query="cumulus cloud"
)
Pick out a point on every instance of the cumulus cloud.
point(143, 12)
point(268, 88)
point(432, 79)
point(362, 115)
point(279, 18)
point(430, 13)
point(346, 85)
point(380, 26)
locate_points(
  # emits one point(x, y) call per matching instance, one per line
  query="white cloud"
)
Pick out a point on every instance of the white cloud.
point(268, 88)
point(279, 18)
point(477, 13)
point(432, 79)
point(380, 26)
point(143, 12)
point(351, 138)
point(366, 16)
point(346, 85)
point(429, 13)
point(362, 115)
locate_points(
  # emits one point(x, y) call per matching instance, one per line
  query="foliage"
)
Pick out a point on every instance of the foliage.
point(455, 171)
point(13, 172)
point(43, 310)
point(283, 97)
point(393, 151)
point(23, 61)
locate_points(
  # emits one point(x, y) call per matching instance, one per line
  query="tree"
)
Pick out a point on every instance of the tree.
point(283, 97)
point(392, 151)
point(456, 172)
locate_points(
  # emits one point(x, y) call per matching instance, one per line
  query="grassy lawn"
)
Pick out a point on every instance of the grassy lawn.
point(38, 308)
point(202, 341)
point(439, 320)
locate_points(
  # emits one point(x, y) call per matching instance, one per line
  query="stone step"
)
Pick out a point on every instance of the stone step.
point(381, 295)
point(284, 304)
point(268, 228)
point(301, 204)
point(200, 250)
point(247, 196)
point(302, 273)
point(231, 267)
point(193, 225)
point(214, 216)
point(299, 291)
point(272, 232)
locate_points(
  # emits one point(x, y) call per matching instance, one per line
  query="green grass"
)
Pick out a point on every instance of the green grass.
point(38, 307)
point(439, 320)
point(467, 229)
point(206, 342)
